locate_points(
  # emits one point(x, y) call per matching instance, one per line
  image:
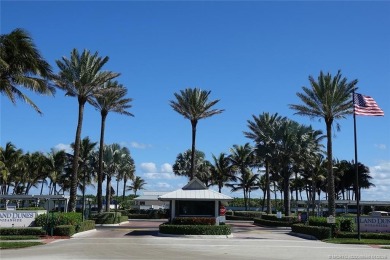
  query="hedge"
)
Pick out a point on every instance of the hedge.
point(273, 217)
point(138, 216)
point(195, 229)
point(364, 235)
point(58, 218)
point(271, 223)
point(64, 230)
point(22, 231)
point(86, 225)
point(316, 231)
point(249, 214)
point(193, 221)
point(107, 218)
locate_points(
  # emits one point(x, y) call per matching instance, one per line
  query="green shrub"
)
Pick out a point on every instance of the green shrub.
point(229, 212)
point(86, 225)
point(273, 217)
point(195, 229)
point(64, 230)
point(319, 232)
point(229, 217)
point(193, 221)
point(249, 214)
point(108, 218)
point(138, 216)
point(271, 223)
point(31, 208)
point(57, 219)
point(347, 225)
point(22, 231)
point(322, 222)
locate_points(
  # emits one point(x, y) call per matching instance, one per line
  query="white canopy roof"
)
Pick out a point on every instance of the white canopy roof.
point(195, 190)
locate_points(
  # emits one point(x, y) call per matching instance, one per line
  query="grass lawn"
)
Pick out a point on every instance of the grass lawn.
point(19, 237)
point(356, 241)
point(13, 245)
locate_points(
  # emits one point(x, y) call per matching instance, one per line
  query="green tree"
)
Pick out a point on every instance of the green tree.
point(262, 132)
point(137, 184)
point(242, 160)
point(81, 76)
point(111, 98)
point(194, 105)
point(182, 165)
point(222, 171)
point(21, 65)
point(328, 98)
point(10, 158)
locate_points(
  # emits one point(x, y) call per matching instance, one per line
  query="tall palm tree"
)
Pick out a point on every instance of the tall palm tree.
point(242, 160)
point(81, 76)
point(56, 166)
point(329, 98)
point(10, 157)
point(222, 172)
point(21, 65)
point(137, 184)
point(262, 132)
point(182, 165)
point(126, 169)
point(111, 98)
point(194, 105)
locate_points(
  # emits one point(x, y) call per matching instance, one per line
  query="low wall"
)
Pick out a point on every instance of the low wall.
point(19, 218)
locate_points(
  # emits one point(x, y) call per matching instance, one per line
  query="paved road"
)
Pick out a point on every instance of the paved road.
point(140, 240)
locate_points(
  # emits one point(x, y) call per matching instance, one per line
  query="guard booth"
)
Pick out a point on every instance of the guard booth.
point(196, 200)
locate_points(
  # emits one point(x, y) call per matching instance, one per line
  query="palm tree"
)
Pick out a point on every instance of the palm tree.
point(112, 160)
point(126, 169)
point(111, 98)
point(137, 184)
point(262, 132)
point(328, 98)
point(81, 76)
point(56, 166)
point(193, 104)
point(21, 65)
point(182, 166)
point(222, 171)
point(242, 159)
point(10, 158)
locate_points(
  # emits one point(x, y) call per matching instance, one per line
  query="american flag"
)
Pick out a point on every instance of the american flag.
point(366, 106)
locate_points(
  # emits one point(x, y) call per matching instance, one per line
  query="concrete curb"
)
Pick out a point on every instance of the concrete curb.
point(197, 236)
point(83, 233)
point(309, 237)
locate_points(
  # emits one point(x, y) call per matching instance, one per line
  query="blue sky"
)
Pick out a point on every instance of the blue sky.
point(254, 56)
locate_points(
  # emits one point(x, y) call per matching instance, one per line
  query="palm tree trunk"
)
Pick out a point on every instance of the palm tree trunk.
point(331, 188)
point(268, 187)
point(193, 124)
point(75, 168)
point(287, 208)
point(124, 188)
point(108, 193)
point(100, 169)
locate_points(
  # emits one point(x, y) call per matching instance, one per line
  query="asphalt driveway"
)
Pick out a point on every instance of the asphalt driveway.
point(140, 240)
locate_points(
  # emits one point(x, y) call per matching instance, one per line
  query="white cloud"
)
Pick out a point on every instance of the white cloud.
point(65, 147)
point(166, 167)
point(381, 146)
point(381, 178)
point(139, 145)
point(148, 167)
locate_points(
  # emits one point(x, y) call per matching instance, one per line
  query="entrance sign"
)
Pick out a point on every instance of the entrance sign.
point(374, 224)
point(18, 218)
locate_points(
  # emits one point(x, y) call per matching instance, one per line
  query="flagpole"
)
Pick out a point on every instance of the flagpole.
point(357, 193)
